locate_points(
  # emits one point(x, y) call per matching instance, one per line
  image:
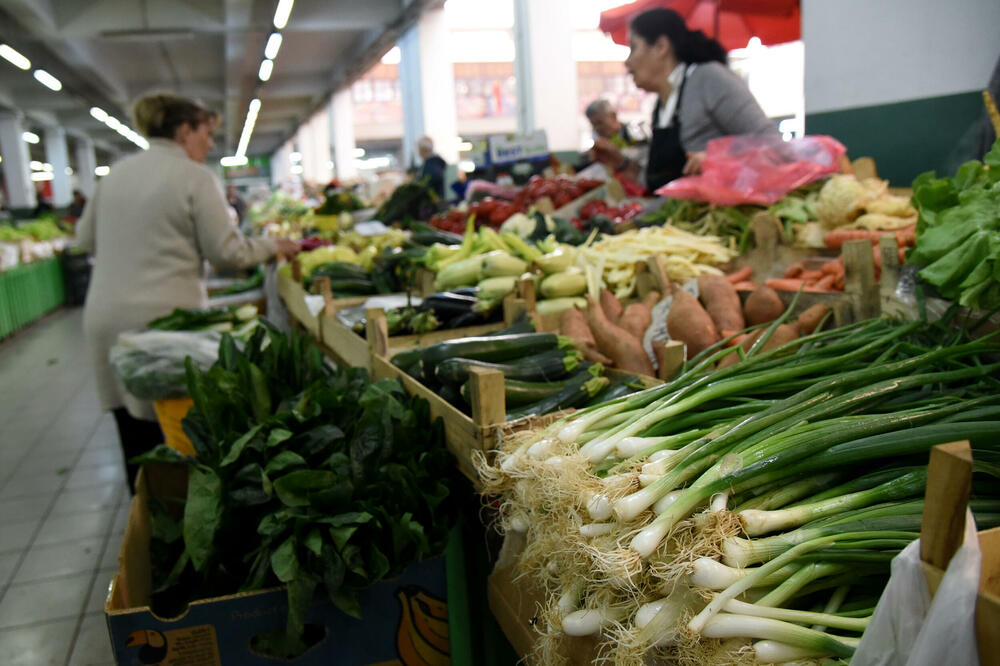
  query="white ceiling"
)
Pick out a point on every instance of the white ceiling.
point(107, 53)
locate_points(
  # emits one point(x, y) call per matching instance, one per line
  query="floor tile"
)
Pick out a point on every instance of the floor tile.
point(109, 559)
point(95, 476)
point(60, 529)
point(23, 510)
point(45, 600)
point(33, 465)
point(62, 559)
point(101, 456)
point(40, 645)
point(32, 485)
point(93, 645)
point(17, 536)
point(87, 499)
point(8, 562)
point(99, 593)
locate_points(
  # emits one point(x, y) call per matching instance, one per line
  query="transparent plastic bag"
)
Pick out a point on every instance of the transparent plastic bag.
point(150, 364)
point(910, 629)
point(757, 169)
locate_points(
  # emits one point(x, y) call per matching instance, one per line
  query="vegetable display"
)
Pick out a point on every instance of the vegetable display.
point(410, 202)
point(958, 235)
point(216, 319)
point(307, 476)
point(760, 504)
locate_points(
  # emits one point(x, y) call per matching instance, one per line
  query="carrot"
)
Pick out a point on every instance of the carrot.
point(835, 239)
point(762, 306)
point(636, 319)
point(834, 266)
point(795, 270)
point(810, 318)
point(746, 286)
point(741, 275)
point(688, 322)
point(907, 236)
point(810, 276)
point(573, 325)
point(825, 283)
point(785, 284)
point(722, 302)
point(902, 256)
point(618, 344)
point(611, 305)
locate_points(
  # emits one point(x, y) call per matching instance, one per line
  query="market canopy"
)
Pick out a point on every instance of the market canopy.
point(732, 22)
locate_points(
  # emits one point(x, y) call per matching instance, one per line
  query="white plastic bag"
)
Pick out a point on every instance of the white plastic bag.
point(911, 629)
point(150, 364)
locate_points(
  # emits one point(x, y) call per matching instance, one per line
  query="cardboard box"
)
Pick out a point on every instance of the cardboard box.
point(405, 619)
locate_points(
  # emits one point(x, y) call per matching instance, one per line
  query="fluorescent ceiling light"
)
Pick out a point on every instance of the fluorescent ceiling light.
point(102, 171)
point(282, 13)
point(47, 167)
point(47, 80)
point(464, 146)
point(142, 143)
point(41, 175)
point(273, 45)
point(69, 171)
point(393, 56)
point(295, 157)
point(329, 164)
point(233, 160)
point(468, 166)
point(36, 165)
point(113, 123)
point(99, 114)
point(358, 152)
point(266, 66)
point(13, 57)
point(296, 169)
point(254, 107)
point(30, 137)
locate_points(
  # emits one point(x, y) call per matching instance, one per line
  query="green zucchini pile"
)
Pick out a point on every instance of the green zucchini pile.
point(543, 372)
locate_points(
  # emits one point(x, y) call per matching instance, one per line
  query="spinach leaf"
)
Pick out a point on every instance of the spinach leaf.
point(202, 514)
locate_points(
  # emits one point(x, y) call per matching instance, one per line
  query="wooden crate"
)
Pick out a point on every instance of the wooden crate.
point(349, 348)
point(294, 297)
point(949, 480)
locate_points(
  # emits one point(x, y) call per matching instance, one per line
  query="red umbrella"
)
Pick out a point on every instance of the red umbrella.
point(732, 22)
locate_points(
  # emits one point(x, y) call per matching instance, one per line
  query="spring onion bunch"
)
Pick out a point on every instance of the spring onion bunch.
point(748, 513)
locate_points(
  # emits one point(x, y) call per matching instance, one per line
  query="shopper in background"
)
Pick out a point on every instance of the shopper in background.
point(151, 224)
point(240, 206)
point(604, 121)
point(76, 206)
point(700, 98)
point(434, 165)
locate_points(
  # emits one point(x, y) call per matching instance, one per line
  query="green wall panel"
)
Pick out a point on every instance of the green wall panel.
point(906, 138)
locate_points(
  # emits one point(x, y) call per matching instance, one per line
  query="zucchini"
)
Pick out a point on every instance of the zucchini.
point(522, 325)
point(405, 359)
point(490, 348)
point(453, 397)
point(547, 366)
point(579, 388)
point(519, 392)
point(614, 391)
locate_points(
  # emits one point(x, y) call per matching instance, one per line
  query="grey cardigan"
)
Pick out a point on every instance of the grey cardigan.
point(717, 103)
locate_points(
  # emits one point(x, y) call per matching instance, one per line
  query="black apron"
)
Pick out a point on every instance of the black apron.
point(666, 154)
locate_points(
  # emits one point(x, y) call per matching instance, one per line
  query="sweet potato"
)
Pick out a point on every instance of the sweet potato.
point(618, 344)
point(784, 333)
point(611, 305)
point(762, 306)
point(742, 275)
point(810, 318)
point(573, 325)
point(688, 322)
point(746, 343)
point(721, 302)
point(636, 319)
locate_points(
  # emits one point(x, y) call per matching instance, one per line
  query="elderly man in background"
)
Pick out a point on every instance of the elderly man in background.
point(434, 165)
point(604, 120)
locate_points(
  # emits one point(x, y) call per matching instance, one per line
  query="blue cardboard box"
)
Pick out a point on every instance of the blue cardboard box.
point(405, 620)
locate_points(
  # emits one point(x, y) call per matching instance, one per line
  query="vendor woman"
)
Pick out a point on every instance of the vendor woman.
point(700, 98)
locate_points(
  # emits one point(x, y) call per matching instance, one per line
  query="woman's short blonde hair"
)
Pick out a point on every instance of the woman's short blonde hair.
point(161, 115)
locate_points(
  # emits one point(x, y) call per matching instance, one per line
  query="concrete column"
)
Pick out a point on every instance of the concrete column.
point(321, 145)
point(427, 80)
point(546, 74)
point(86, 162)
point(16, 169)
point(279, 166)
point(307, 146)
point(57, 155)
point(342, 134)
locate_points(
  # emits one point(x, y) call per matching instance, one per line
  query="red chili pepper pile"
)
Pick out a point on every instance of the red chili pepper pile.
point(616, 214)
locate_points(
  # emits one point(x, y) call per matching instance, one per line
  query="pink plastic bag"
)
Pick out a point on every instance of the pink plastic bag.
point(757, 170)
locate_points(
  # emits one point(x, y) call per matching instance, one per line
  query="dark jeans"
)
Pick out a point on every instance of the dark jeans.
point(137, 437)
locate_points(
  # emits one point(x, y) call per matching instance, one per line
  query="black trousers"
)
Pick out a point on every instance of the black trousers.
point(137, 437)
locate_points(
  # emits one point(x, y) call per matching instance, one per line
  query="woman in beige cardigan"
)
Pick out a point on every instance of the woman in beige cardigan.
point(151, 225)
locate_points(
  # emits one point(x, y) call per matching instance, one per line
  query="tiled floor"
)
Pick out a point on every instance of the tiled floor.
point(63, 499)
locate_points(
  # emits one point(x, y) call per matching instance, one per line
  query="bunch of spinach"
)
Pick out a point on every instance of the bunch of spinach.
point(958, 233)
point(305, 475)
